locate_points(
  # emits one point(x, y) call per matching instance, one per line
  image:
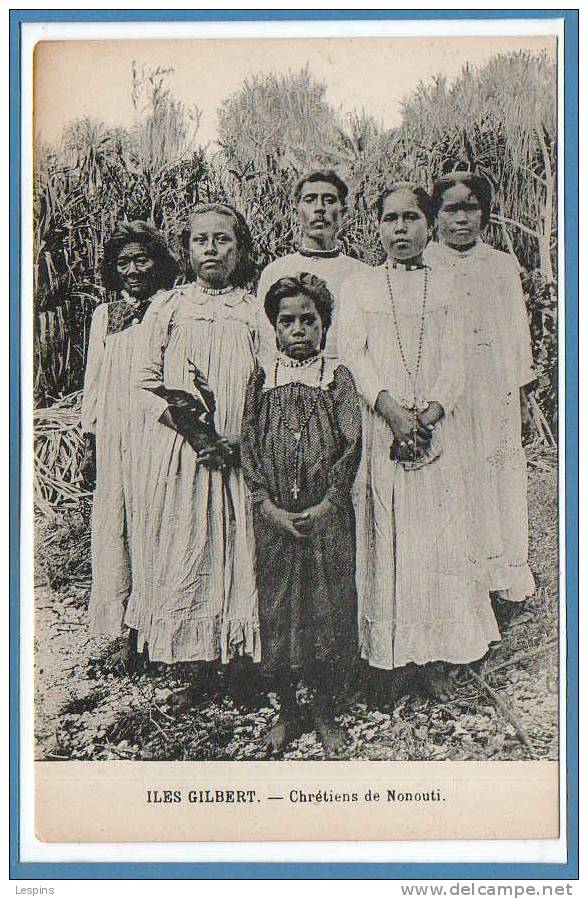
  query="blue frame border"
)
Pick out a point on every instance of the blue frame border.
point(305, 870)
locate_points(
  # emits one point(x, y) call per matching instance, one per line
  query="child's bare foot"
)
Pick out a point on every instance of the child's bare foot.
point(286, 729)
point(435, 682)
point(330, 735)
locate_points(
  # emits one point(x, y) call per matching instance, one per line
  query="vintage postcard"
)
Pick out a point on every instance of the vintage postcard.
point(293, 383)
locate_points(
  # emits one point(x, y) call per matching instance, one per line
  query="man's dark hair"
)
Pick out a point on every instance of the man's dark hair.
point(328, 175)
point(125, 233)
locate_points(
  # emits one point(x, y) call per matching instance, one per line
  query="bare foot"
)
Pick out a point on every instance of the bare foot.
point(435, 682)
point(182, 701)
point(505, 611)
point(387, 687)
point(331, 736)
point(124, 657)
point(283, 732)
point(402, 681)
point(128, 657)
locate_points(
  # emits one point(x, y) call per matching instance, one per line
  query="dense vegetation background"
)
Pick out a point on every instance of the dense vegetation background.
point(499, 119)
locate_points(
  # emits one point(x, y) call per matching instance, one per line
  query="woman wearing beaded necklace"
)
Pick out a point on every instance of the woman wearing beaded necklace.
point(402, 338)
point(301, 448)
point(198, 599)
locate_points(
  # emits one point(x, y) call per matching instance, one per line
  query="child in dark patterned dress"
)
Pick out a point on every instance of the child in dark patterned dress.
point(301, 448)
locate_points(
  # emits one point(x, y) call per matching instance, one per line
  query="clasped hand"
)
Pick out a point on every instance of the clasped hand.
point(298, 525)
point(406, 428)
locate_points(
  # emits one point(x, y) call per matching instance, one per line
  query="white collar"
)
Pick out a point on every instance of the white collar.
point(231, 298)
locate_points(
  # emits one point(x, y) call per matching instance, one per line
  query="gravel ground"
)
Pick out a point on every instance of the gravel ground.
point(88, 707)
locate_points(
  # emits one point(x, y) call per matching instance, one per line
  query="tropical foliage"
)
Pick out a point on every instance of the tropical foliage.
point(499, 119)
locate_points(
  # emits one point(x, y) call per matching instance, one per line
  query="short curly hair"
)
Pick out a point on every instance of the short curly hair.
point(421, 196)
point(125, 233)
point(245, 270)
point(310, 286)
point(329, 176)
point(477, 184)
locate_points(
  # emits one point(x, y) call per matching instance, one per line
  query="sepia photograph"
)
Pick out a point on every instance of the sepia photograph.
point(296, 368)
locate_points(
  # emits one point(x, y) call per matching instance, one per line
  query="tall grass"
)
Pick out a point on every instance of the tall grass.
point(501, 117)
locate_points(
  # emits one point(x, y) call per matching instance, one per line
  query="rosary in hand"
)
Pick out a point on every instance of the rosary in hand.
point(416, 405)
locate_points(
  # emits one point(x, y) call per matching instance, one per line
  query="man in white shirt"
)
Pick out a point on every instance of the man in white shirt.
point(320, 197)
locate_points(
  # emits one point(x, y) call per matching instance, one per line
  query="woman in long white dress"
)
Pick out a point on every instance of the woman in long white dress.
point(197, 600)
point(136, 264)
point(499, 364)
point(401, 335)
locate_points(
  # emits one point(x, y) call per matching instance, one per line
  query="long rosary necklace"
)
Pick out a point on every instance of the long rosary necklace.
point(415, 405)
point(302, 424)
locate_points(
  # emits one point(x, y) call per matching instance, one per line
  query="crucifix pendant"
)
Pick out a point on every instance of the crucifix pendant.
point(295, 490)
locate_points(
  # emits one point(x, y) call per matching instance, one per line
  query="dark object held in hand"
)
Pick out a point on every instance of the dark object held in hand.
point(412, 459)
point(192, 416)
point(407, 452)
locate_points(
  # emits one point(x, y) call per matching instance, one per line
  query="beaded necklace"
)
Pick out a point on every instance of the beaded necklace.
point(288, 362)
point(297, 432)
point(415, 405)
point(321, 254)
point(215, 291)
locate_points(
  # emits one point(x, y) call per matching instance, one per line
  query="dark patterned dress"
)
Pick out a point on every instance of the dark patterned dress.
point(302, 442)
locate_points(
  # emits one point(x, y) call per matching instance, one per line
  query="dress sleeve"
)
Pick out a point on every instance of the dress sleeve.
point(353, 344)
point(267, 339)
point(251, 465)
point(96, 346)
point(348, 418)
point(151, 350)
point(450, 383)
point(515, 311)
point(256, 326)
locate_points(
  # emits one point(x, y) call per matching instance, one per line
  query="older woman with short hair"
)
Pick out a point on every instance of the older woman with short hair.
point(136, 264)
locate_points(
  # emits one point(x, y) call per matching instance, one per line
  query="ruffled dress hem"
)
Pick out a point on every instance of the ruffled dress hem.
point(204, 640)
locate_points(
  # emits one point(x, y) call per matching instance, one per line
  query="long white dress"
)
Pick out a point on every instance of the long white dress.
point(420, 599)
point(197, 597)
point(111, 412)
point(498, 362)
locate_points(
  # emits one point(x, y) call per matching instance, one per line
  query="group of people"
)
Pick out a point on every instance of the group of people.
point(327, 471)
